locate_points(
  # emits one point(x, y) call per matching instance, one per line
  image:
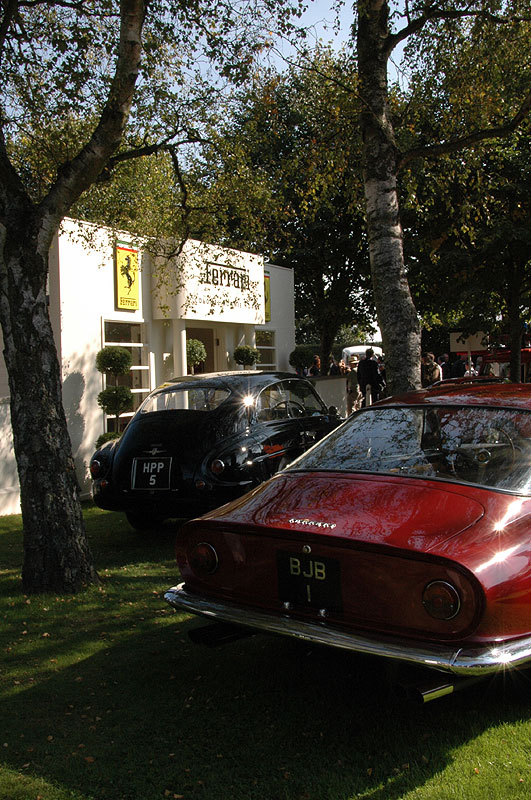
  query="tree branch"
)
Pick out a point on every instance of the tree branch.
point(76, 176)
point(10, 7)
point(165, 145)
point(415, 25)
point(497, 132)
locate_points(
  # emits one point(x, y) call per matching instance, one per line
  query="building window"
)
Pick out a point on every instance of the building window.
point(129, 335)
point(265, 344)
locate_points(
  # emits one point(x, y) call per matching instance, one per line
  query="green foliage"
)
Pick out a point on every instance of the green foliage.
point(113, 360)
point(246, 355)
point(467, 215)
point(302, 356)
point(54, 88)
point(195, 353)
point(288, 184)
point(106, 437)
point(115, 400)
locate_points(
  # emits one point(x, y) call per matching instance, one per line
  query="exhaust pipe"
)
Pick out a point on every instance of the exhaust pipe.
point(218, 633)
point(423, 693)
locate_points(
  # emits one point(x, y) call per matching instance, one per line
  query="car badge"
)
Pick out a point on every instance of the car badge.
point(312, 523)
point(155, 450)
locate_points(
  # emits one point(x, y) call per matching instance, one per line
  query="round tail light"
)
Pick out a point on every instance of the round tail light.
point(95, 468)
point(217, 466)
point(203, 559)
point(441, 600)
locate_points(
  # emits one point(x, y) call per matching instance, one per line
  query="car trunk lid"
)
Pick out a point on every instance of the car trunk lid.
point(375, 510)
point(154, 440)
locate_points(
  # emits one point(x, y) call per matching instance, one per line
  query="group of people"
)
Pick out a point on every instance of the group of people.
point(366, 381)
point(365, 377)
point(334, 368)
point(432, 370)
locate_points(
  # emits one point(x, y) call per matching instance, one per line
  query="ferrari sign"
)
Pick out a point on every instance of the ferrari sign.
point(127, 290)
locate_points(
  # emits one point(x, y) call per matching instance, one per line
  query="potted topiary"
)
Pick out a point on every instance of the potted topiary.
point(114, 399)
point(302, 357)
point(246, 356)
point(195, 353)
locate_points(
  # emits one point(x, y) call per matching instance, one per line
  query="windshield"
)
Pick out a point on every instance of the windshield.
point(194, 399)
point(489, 447)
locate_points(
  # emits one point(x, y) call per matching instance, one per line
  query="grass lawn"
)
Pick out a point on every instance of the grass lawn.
point(103, 696)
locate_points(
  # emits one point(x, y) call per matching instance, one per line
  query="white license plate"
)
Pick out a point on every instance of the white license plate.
point(151, 473)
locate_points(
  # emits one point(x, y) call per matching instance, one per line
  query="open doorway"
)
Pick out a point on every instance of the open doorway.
point(205, 335)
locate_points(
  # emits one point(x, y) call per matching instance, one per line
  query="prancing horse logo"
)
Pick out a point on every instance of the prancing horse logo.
point(126, 271)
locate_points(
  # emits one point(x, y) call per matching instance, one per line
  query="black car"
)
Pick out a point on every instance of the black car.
point(201, 440)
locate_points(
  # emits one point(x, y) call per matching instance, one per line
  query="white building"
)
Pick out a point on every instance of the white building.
point(104, 290)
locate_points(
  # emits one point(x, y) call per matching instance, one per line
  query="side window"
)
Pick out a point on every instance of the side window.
point(272, 404)
point(302, 400)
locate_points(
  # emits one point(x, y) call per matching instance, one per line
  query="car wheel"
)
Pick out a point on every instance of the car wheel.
point(142, 522)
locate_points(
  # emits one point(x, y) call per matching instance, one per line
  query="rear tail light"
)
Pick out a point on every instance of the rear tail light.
point(95, 468)
point(203, 559)
point(217, 466)
point(441, 600)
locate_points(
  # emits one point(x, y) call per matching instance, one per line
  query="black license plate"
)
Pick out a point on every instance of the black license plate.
point(308, 580)
point(151, 473)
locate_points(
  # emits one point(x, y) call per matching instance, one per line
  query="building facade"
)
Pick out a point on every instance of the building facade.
point(105, 290)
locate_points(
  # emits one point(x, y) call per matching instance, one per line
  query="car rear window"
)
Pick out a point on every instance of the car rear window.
point(469, 444)
point(186, 399)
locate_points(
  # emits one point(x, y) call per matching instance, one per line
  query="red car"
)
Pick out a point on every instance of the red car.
point(405, 533)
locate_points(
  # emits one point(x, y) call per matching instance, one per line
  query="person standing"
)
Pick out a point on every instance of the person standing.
point(368, 376)
point(315, 369)
point(430, 371)
point(353, 389)
point(458, 367)
point(444, 363)
point(334, 367)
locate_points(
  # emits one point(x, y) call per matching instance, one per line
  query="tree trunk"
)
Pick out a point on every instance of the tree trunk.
point(56, 553)
point(395, 310)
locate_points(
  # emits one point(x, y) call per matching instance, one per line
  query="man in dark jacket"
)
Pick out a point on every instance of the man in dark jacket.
point(458, 367)
point(368, 375)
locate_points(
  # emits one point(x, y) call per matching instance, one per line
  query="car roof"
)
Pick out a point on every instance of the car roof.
point(243, 380)
point(472, 391)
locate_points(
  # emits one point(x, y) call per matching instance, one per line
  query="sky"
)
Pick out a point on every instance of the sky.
point(324, 23)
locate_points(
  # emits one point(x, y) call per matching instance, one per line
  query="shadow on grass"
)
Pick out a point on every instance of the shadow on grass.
point(114, 702)
point(263, 718)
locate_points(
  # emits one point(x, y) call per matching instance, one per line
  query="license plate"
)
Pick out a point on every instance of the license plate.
point(308, 580)
point(151, 473)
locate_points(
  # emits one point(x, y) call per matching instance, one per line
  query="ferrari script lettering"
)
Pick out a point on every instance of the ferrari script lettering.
point(314, 569)
point(313, 523)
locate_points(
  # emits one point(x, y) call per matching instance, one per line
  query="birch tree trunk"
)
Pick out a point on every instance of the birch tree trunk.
point(395, 310)
point(56, 553)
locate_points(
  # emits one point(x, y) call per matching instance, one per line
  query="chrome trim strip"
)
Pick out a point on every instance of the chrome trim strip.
point(473, 661)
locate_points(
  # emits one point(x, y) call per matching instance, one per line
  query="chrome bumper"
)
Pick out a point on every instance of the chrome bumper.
point(459, 661)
